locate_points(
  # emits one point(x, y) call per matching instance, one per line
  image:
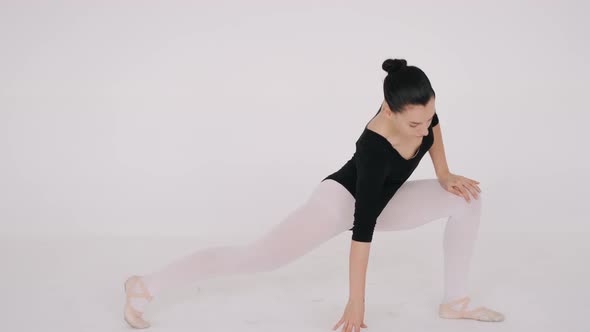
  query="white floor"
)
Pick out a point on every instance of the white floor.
point(538, 280)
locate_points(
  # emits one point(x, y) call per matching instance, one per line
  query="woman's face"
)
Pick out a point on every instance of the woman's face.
point(414, 120)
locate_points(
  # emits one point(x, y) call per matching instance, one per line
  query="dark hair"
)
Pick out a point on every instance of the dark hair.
point(405, 85)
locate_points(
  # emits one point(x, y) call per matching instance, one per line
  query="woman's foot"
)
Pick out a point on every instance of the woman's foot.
point(137, 297)
point(458, 309)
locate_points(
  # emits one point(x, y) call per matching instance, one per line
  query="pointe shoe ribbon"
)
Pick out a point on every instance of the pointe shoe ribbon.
point(480, 313)
point(132, 316)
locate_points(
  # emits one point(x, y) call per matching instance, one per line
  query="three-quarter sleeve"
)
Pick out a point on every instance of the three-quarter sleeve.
point(372, 168)
point(434, 120)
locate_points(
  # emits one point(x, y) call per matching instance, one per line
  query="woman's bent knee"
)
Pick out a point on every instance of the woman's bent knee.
point(473, 205)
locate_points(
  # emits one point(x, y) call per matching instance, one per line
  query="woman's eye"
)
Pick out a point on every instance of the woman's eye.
point(413, 126)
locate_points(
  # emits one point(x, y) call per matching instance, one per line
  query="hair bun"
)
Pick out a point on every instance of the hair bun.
point(393, 65)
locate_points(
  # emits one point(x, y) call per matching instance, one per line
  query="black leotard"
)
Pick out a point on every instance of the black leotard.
point(373, 175)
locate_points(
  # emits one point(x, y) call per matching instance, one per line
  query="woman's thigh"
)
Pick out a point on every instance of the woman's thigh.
point(418, 202)
point(326, 213)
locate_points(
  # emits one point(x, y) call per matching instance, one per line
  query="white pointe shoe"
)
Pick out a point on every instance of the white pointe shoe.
point(132, 316)
point(480, 313)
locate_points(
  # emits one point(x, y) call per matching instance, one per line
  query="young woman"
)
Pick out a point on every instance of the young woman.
point(369, 193)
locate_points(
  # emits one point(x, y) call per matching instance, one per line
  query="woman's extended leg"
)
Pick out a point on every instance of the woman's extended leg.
point(319, 218)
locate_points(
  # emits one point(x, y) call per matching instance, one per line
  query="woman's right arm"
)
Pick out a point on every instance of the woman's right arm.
point(353, 318)
point(372, 168)
point(359, 259)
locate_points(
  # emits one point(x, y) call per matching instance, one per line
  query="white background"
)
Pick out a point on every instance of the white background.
point(214, 119)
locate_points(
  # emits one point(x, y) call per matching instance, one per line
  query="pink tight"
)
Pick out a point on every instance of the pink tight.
point(328, 212)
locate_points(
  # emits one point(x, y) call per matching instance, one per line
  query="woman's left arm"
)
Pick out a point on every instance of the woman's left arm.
point(437, 153)
point(456, 184)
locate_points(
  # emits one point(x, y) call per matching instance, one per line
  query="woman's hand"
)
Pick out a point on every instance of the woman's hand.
point(459, 185)
point(353, 317)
